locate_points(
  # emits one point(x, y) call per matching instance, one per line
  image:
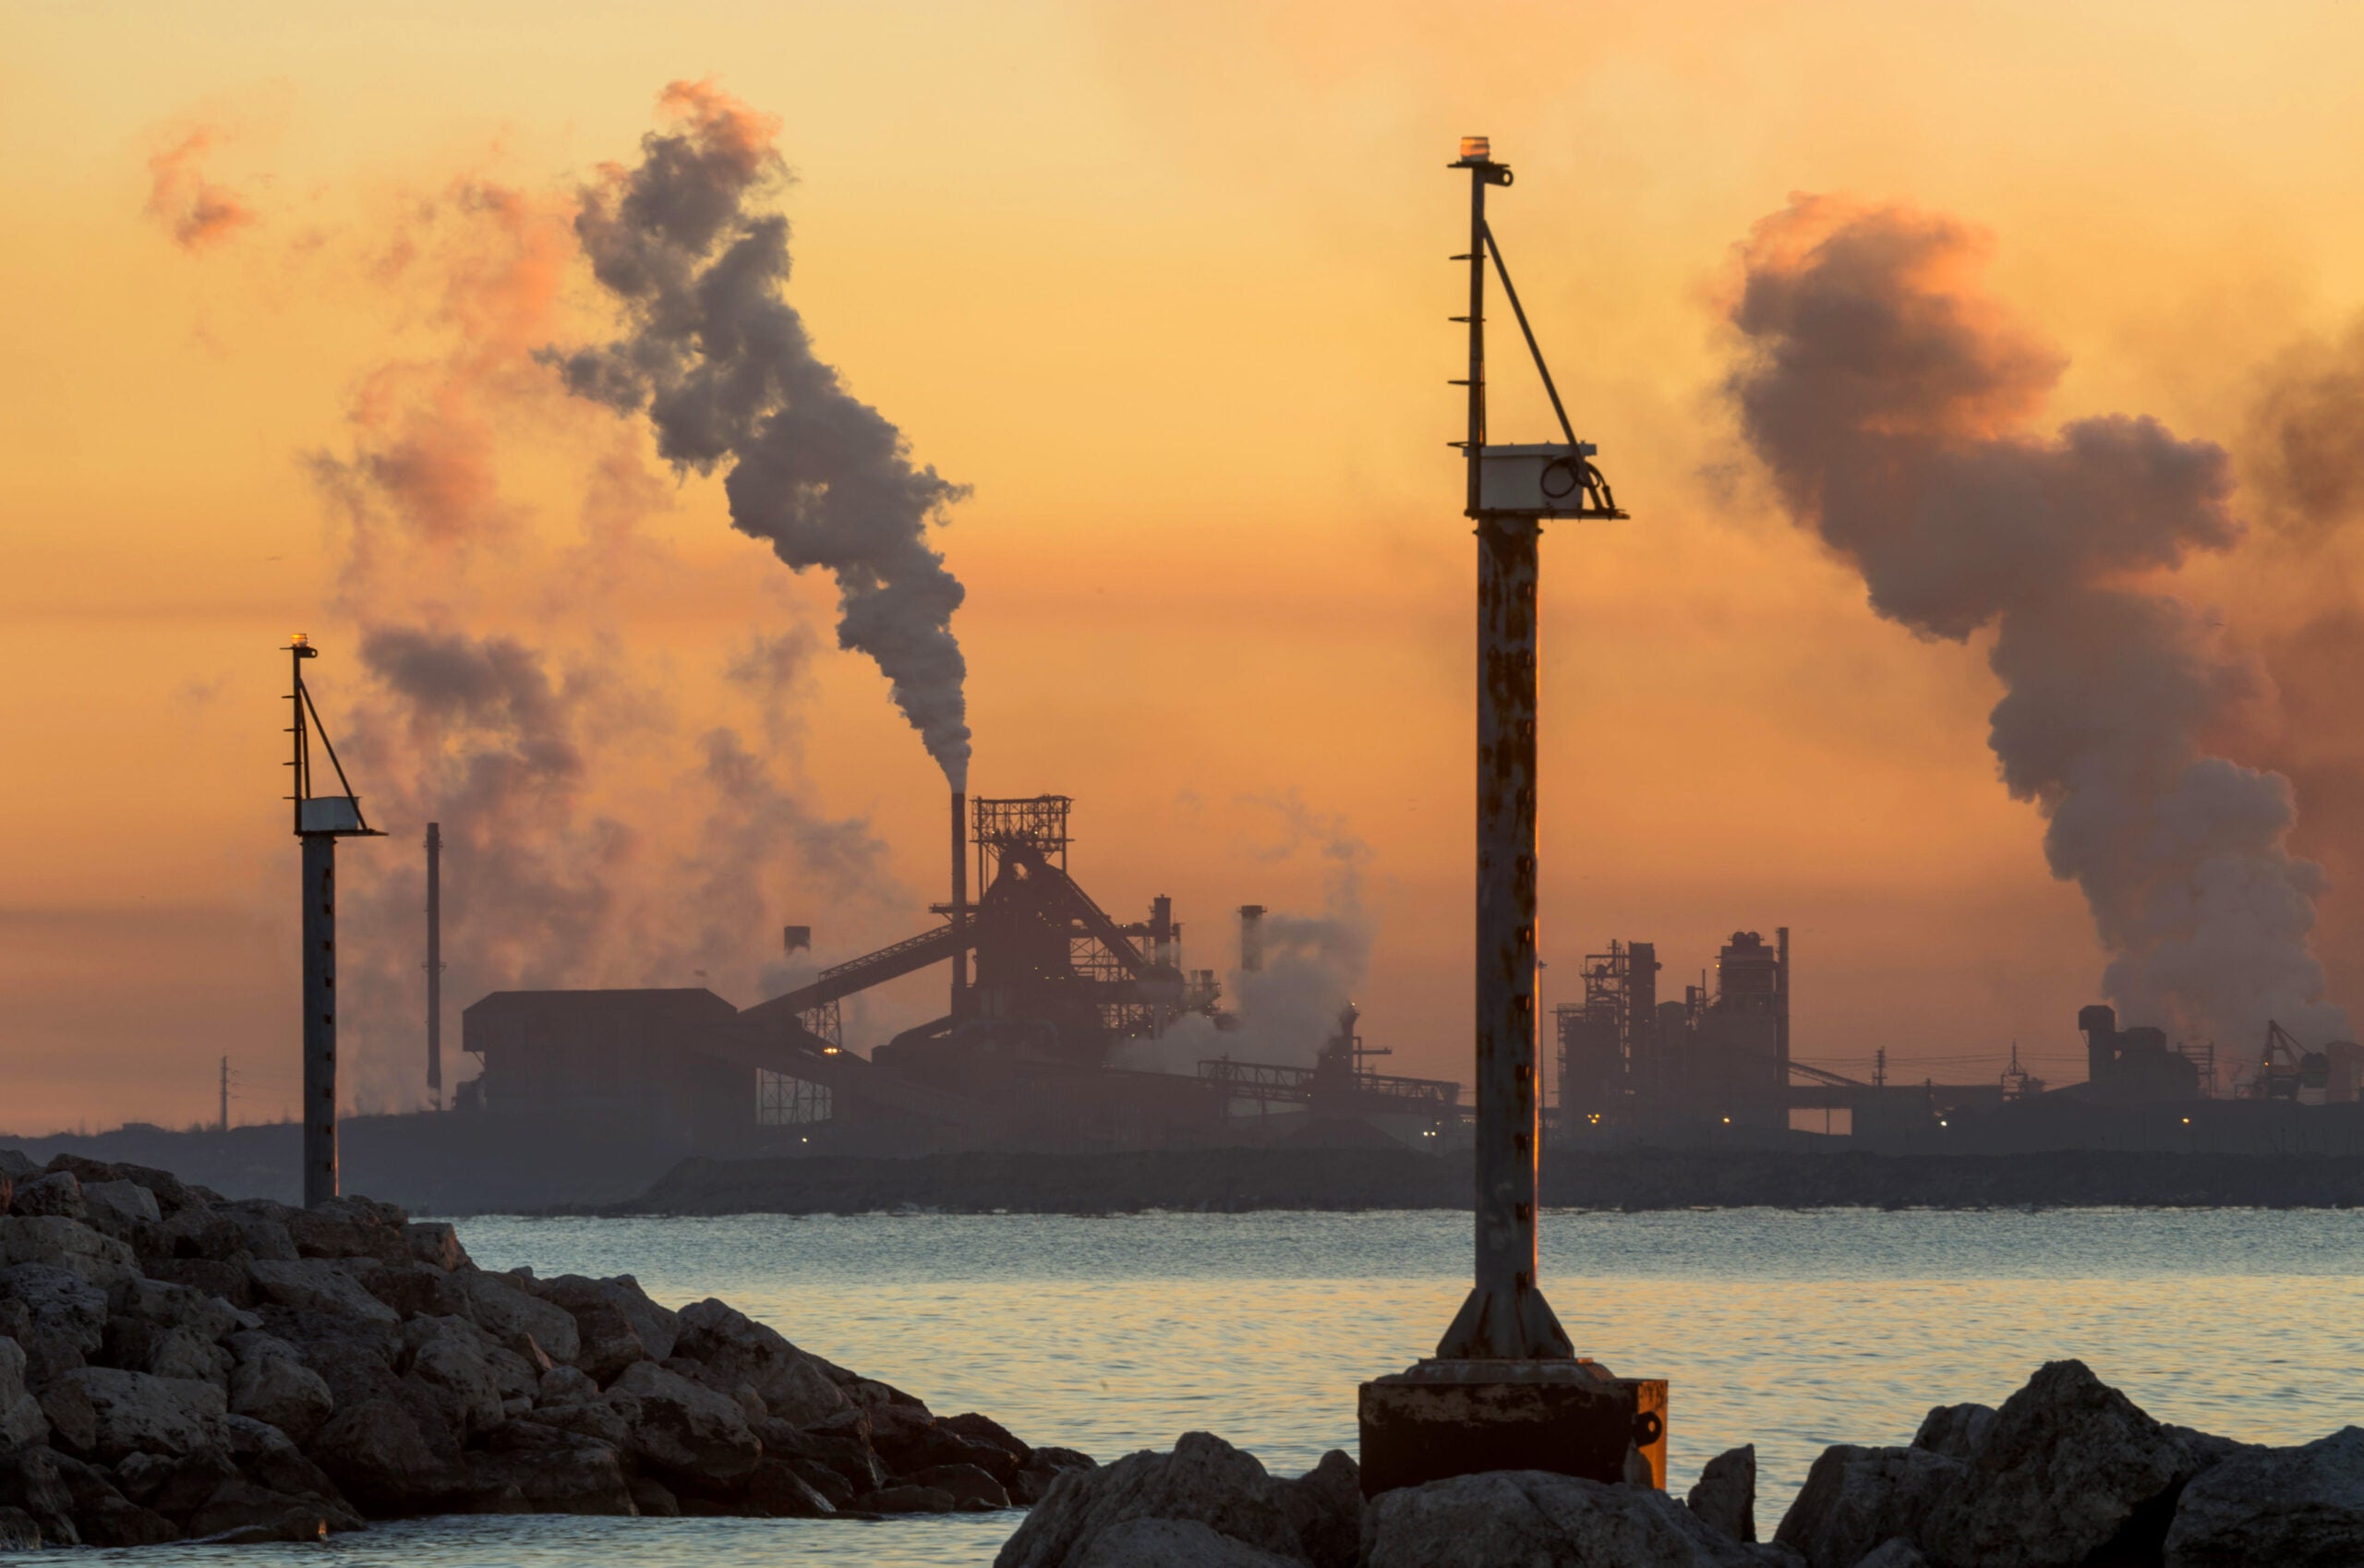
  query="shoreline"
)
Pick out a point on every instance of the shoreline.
point(1361, 1180)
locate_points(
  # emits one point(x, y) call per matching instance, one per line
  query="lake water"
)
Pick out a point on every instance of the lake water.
point(1789, 1330)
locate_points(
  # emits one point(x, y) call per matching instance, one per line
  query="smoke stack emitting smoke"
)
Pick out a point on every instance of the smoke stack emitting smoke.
point(725, 369)
point(1893, 403)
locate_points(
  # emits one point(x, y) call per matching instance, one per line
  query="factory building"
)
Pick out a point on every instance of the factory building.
point(1719, 1056)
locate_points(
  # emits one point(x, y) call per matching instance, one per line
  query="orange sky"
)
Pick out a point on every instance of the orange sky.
point(1166, 286)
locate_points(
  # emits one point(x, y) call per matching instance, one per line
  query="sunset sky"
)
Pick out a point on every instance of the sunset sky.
point(1166, 286)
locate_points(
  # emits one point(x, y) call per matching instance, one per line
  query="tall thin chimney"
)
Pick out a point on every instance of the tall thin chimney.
point(435, 964)
point(959, 900)
point(1251, 938)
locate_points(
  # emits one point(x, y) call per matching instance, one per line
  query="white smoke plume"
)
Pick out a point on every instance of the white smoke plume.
point(1894, 405)
point(724, 368)
point(1313, 964)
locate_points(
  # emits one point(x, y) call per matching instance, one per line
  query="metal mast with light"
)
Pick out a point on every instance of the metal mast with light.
point(1505, 1390)
point(320, 821)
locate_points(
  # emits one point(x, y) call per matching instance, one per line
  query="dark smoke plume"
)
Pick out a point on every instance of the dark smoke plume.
point(1894, 403)
point(727, 373)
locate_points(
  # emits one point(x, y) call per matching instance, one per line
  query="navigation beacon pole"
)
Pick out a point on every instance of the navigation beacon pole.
point(1505, 1390)
point(320, 821)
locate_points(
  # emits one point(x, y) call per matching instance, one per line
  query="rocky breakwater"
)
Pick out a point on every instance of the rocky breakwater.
point(2068, 1473)
point(175, 1365)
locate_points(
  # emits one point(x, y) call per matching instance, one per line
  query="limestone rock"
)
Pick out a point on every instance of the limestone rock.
point(270, 1458)
point(117, 1206)
point(391, 1456)
point(319, 1285)
point(778, 1488)
point(734, 1348)
point(241, 1514)
point(19, 1530)
point(418, 1290)
point(102, 1515)
point(433, 1242)
point(1955, 1430)
point(1325, 1507)
point(1172, 1543)
point(1899, 1552)
point(590, 1417)
point(62, 1243)
point(107, 1413)
point(1725, 1495)
point(969, 1486)
point(455, 1359)
point(565, 1385)
point(1531, 1517)
point(2289, 1507)
point(686, 1427)
point(502, 1308)
point(1856, 1498)
point(67, 1315)
point(57, 1193)
point(2068, 1467)
point(22, 1425)
point(1203, 1479)
point(270, 1384)
point(31, 1481)
point(534, 1469)
point(261, 1234)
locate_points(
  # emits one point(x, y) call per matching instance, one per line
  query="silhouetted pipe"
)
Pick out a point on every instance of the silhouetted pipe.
point(960, 898)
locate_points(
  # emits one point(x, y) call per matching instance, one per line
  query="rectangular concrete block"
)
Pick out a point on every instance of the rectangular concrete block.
point(1572, 1418)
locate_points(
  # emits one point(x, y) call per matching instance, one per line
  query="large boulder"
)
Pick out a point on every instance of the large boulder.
point(434, 1243)
point(1522, 1516)
point(502, 1306)
point(271, 1384)
point(1856, 1498)
point(616, 1323)
point(466, 1371)
point(106, 1413)
point(785, 1488)
point(1325, 1506)
point(733, 1349)
point(67, 1244)
point(2285, 1507)
point(19, 1531)
point(268, 1457)
point(1725, 1495)
point(1955, 1430)
point(104, 1516)
point(65, 1317)
point(59, 1193)
point(118, 1206)
point(31, 1482)
point(1172, 1543)
point(684, 1426)
point(2069, 1467)
point(391, 1456)
point(530, 1468)
point(22, 1425)
point(319, 1285)
point(1204, 1480)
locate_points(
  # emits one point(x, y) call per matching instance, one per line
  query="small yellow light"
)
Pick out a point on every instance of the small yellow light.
point(2187, 1121)
point(1477, 149)
point(1728, 1121)
point(299, 640)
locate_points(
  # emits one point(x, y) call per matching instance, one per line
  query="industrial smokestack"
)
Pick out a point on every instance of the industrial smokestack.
point(1251, 938)
point(435, 964)
point(960, 898)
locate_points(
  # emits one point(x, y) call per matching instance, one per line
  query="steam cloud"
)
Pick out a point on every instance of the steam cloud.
point(724, 368)
point(198, 212)
point(1893, 404)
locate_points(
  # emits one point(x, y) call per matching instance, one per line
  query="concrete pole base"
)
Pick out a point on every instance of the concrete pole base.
point(1572, 1418)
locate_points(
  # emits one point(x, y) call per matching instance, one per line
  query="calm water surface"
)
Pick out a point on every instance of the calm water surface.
point(1789, 1330)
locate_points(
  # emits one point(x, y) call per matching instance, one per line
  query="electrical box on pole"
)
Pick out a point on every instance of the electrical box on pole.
point(320, 819)
point(1505, 1390)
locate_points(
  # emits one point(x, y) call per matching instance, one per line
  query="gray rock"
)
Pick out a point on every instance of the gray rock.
point(319, 1285)
point(391, 1456)
point(271, 1384)
point(261, 1235)
point(58, 1193)
point(106, 1413)
point(102, 1515)
point(16, 1166)
point(2068, 1467)
point(565, 1385)
point(781, 1489)
point(734, 1348)
point(908, 1499)
point(2287, 1507)
point(1856, 1498)
point(67, 1244)
point(1203, 1479)
point(118, 1205)
point(31, 1480)
point(456, 1359)
point(1172, 1543)
point(1900, 1552)
point(534, 1469)
point(19, 1530)
point(1725, 1495)
point(239, 1512)
point(1325, 1507)
point(431, 1242)
point(969, 1486)
point(169, 1306)
point(1955, 1430)
point(1529, 1517)
point(594, 1418)
point(22, 1425)
point(524, 1322)
point(685, 1427)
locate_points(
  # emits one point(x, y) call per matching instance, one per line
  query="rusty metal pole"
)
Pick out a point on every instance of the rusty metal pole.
point(1506, 1315)
point(959, 901)
point(435, 964)
point(319, 1019)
